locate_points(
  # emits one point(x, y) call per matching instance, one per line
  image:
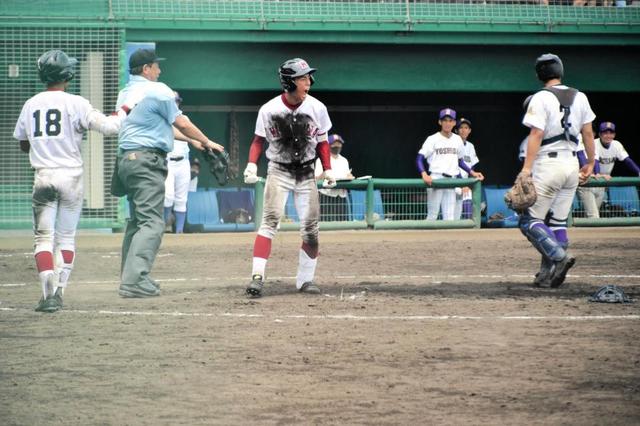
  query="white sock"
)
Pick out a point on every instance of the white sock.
point(63, 274)
point(259, 265)
point(306, 269)
point(46, 282)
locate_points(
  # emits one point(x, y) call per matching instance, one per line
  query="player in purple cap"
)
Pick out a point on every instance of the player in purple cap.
point(608, 151)
point(444, 151)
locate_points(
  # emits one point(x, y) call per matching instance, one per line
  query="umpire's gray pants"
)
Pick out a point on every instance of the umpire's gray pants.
point(143, 174)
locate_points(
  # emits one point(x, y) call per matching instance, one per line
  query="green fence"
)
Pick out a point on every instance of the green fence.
point(385, 204)
point(620, 203)
point(97, 79)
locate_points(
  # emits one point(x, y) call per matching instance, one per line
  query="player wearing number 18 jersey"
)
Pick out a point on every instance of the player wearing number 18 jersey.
point(50, 128)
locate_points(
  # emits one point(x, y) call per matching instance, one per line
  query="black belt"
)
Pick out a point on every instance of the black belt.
point(446, 175)
point(176, 158)
point(554, 154)
point(145, 149)
point(295, 166)
point(558, 138)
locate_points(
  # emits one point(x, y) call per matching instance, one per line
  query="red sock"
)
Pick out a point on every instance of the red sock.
point(44, 261)
point(312, 251)
point(67, 256)
point(262, 247)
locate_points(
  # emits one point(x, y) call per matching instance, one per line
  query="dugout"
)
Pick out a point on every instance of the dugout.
point(383, 99)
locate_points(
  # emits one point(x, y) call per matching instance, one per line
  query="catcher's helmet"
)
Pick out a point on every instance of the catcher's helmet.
point(55, 66)
point(549, 66)
point(291, 69)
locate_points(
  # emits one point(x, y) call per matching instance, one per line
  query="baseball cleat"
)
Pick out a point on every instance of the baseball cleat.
point(255, 286)
point(41, 305)
point(137, 290)
point(310, 288)
point(560, 271)
point(543, 276)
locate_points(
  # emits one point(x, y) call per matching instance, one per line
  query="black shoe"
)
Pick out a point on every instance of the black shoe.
point(310, 288)
point(255, 286)
point(560, 270)
point(543, 277)
point(138, 290)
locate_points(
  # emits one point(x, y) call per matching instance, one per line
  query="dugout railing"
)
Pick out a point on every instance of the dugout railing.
point(383, 204)
point(620, 206)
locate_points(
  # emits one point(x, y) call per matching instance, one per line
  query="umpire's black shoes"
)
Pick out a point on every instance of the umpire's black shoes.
point(310, 288)
point(138, 290)
point(560, 270)
point(255, 286)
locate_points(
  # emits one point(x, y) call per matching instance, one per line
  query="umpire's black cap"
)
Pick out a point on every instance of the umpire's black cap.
point(143, 57)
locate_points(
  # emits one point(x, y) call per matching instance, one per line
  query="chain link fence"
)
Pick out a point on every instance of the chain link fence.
point(98, 73)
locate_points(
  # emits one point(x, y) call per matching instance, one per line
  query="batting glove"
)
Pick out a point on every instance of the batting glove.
point(251, 173)
point(329, 179)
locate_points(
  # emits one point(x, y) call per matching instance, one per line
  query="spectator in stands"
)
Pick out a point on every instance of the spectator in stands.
point(333, 202)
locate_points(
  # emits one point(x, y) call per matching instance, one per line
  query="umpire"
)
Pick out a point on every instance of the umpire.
point(146, 136)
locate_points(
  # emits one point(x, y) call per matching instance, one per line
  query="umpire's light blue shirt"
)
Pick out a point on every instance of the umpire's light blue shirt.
point(149, 125)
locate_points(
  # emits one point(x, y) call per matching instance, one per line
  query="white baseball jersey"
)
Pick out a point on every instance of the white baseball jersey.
point(469, 157)
point(581, 148)
point(292, 133)
point(544, 113)
point(54, 123)
point(608, 155)
point(522, 151)
point(442, 153)
point(180, 149)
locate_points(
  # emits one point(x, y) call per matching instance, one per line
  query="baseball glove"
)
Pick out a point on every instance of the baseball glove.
point(522, 194)
point(218, 164)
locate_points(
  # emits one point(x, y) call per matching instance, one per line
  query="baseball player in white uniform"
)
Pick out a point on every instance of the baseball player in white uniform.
point(555, 116)
point(444, 151)
point(295, 125)
point(178, 181)
point(464, 205)
point(333, 202)
point(608, 151)
point(50, 128)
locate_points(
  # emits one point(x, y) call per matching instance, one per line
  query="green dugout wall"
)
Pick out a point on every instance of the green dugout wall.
point(383, 98)
point(385, 69)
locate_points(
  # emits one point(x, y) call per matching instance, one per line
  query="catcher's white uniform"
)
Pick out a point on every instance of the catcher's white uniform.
point(54, 123)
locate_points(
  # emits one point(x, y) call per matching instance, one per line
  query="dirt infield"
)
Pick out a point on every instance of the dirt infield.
point(413, 327)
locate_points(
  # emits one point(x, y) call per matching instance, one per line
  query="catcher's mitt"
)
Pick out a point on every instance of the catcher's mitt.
point(218, 165)
point(522, 194)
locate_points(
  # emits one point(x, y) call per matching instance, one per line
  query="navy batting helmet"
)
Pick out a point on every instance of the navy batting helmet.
point(55, 66)
point(291, 69)
point(549, 66)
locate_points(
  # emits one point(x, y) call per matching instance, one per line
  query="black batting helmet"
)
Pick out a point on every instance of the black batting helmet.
point(54, 66)
point(291, 69)
point(549, 66)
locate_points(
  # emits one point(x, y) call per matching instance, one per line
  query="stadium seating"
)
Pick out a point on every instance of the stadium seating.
point(498, 215)
point(359, 204)
point(203, 213)
point(626, 197)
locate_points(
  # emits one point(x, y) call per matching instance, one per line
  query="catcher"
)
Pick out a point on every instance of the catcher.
point(555, 115)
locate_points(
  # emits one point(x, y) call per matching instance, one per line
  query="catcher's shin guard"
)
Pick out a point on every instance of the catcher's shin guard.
point(542, 238)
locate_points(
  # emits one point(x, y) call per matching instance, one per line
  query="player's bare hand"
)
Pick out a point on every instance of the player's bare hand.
point(584, 174)
point(478, 176)
point(197, 144)
point(215, 146)
point(426, 178)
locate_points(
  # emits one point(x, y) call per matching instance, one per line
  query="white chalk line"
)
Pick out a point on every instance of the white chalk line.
point(347, 316)
point(437, 279)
